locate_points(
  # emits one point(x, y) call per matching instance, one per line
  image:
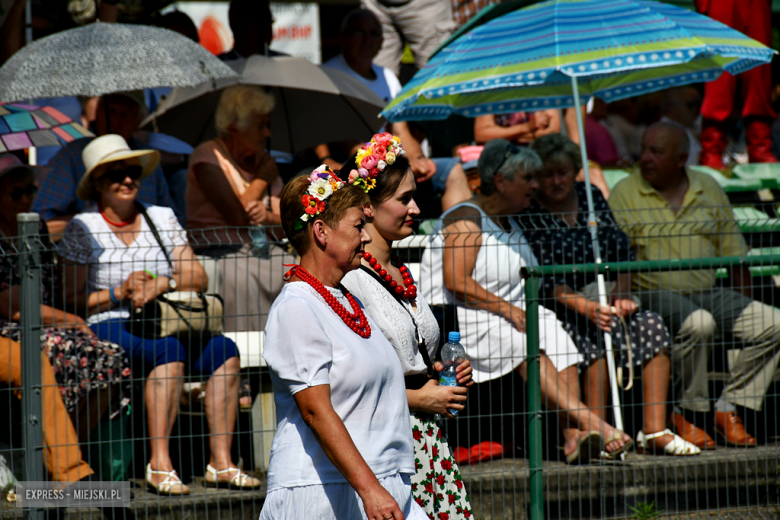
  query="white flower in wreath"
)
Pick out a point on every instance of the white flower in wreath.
point(321, 189)
point(381, 165)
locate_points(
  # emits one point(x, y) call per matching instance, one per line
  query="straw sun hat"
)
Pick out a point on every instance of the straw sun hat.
point(112, 148)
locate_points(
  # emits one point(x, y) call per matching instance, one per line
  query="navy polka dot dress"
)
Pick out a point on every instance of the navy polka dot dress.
point(555, 242)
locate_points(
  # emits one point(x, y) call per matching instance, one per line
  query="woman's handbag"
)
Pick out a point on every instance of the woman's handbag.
point(178, 312)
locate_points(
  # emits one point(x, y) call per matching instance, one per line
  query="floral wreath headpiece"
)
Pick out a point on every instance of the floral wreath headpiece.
point(373, 157)
point(322, 183)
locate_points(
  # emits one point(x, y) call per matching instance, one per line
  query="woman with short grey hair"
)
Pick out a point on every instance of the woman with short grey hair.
point(233, 208)
point(473, 261)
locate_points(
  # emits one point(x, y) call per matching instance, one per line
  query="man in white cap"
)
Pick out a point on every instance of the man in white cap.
point(57, 203)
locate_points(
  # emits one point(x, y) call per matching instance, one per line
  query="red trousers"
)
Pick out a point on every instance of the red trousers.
point(753, 18)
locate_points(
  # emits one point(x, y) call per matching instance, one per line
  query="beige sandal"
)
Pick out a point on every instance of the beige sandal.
point(172, 485)
point(614, 455)
point(238, 481)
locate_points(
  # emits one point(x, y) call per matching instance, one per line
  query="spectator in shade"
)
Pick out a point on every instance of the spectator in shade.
point(61, 453)
point(234, 182)
point(754, 18)
point(473, 261)
point(92, 373)
point(556, 226)
point(681, 105)
point(120, 265)
point(670, 213)
point(57, 202)
point(251, 22)
point(519, 127)
point(361, 38)
point(422, 24)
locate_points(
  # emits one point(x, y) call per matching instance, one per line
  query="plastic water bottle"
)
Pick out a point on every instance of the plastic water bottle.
point(260, 246)
point(452, 355)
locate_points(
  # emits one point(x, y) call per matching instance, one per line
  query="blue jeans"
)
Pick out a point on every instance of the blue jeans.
point(152, 353)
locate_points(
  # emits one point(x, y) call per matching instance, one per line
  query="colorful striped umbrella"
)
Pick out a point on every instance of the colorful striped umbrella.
point(25, 126)
point(526, 59)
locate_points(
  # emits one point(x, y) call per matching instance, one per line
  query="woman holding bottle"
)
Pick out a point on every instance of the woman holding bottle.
point(388, 293)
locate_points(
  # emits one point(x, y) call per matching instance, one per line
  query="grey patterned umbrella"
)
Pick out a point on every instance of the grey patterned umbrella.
point(101, 58)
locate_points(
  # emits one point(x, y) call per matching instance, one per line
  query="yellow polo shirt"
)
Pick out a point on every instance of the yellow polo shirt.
point(704, 227)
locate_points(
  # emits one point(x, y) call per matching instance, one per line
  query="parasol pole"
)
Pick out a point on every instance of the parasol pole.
point(32, 155)
point(593, 228)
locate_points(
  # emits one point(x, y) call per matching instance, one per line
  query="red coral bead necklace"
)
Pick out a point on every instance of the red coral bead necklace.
point(408, 291)
point(355, 320)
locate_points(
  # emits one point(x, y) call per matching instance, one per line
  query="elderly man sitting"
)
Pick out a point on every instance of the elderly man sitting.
point(669, 212)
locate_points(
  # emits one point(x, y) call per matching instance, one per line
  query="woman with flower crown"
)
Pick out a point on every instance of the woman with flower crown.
point(342, 449)
point(388, 292)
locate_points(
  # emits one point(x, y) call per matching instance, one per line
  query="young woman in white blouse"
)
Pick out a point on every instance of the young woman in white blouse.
point(408, 323)
point(120, 266)
point(342, 448)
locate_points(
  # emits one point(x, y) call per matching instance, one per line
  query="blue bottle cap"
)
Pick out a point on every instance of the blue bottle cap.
point(453, 336)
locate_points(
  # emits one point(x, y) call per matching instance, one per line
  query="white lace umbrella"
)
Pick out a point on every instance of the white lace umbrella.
point(102, 58)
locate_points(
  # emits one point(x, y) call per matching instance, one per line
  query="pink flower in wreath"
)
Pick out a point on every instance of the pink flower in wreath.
point(383, 139)
point(369, 162)
point(363, 173)
point(353, 176)
point(380, 151)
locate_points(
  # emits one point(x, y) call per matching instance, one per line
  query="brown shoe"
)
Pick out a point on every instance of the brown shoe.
point(692, 433)
point(730, 427)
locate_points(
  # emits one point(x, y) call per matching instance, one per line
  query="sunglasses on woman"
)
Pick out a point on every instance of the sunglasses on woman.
point(116, 176)
point(28, 191)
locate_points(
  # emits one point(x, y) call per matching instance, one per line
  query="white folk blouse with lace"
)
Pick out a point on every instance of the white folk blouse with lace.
point(396, 324)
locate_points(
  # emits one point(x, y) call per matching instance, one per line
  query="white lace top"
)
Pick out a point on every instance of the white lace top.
point(396, 323)
point(88, 240)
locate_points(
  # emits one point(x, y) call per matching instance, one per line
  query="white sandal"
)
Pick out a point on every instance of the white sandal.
point(678, 447)
point(172, 485)
point(238, 481)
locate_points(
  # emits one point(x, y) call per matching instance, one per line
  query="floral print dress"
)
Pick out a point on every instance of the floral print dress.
point(437, 485)
point(81, 362)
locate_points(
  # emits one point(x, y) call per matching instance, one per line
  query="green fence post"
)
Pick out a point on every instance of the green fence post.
point(534, 395)
point(31, 352)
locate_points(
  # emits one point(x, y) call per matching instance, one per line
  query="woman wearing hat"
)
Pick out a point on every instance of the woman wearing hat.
point(86, 367)
point(474, 262)
point(343, 449)
point(408, 323)
point(120, 266)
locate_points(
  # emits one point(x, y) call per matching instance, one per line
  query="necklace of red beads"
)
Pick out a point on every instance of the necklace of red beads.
point(408, 291)
point(355, 320)
point(119, 224)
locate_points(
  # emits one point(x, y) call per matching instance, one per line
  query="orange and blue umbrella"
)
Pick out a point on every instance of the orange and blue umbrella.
point(526, 59)
point(24, 126)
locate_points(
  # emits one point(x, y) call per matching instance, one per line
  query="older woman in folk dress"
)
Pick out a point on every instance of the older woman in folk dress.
point(342, 449)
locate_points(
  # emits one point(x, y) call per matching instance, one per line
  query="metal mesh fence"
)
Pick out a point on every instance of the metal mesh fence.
point(523, 293)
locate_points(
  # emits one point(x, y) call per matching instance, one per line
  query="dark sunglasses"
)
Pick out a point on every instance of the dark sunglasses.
point(134, 172)
point(29, 191)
